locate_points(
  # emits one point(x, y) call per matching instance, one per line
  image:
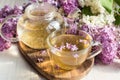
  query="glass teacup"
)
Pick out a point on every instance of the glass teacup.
point(69, 51)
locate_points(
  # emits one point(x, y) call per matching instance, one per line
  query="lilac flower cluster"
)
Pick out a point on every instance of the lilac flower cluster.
point(69, 5)
point(107, 38)
point(9, 28)
point(7, 10)
point(18, 10)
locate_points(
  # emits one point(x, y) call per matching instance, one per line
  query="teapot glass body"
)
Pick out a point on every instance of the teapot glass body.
point(35, 24)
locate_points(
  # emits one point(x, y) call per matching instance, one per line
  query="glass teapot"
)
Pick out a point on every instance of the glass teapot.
point(36, 24)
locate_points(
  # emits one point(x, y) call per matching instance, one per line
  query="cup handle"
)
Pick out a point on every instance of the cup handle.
point(2, 35)
point(95, 52)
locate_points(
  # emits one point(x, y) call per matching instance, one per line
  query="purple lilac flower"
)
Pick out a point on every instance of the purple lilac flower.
point(72, 28)
point(5, 11)
point(1, 20)
point(69, 5)
point(18, 10)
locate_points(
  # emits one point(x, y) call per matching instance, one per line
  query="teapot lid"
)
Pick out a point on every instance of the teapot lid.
point(40, 11)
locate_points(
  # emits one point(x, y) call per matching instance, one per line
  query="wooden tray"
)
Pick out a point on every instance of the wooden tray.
point(40, 61)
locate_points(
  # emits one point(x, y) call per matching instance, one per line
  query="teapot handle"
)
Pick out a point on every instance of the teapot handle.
point(56, 23)
point(13, 39)
point(59, 18)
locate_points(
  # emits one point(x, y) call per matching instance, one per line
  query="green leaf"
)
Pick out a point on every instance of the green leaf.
point(107, 4)
point(117, 20)
point(87, 11)
point(117, 1)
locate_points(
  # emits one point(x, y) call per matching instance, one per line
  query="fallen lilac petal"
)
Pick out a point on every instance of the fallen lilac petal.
point(56, 67)
point(40, 60)
point(76, 55)
point(43, 52)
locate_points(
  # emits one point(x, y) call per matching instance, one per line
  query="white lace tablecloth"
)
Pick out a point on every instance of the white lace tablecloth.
point(14, 67)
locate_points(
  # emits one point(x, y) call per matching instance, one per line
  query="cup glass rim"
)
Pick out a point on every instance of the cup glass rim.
point(74, 52)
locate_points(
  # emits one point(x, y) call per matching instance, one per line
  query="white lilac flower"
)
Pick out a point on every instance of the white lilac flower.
point(116, 8)
point(95, 6)
point(81, 3)
point(101, 20)
point(109, 19)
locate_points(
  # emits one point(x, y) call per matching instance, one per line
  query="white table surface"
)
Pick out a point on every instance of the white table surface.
point(14, 67)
